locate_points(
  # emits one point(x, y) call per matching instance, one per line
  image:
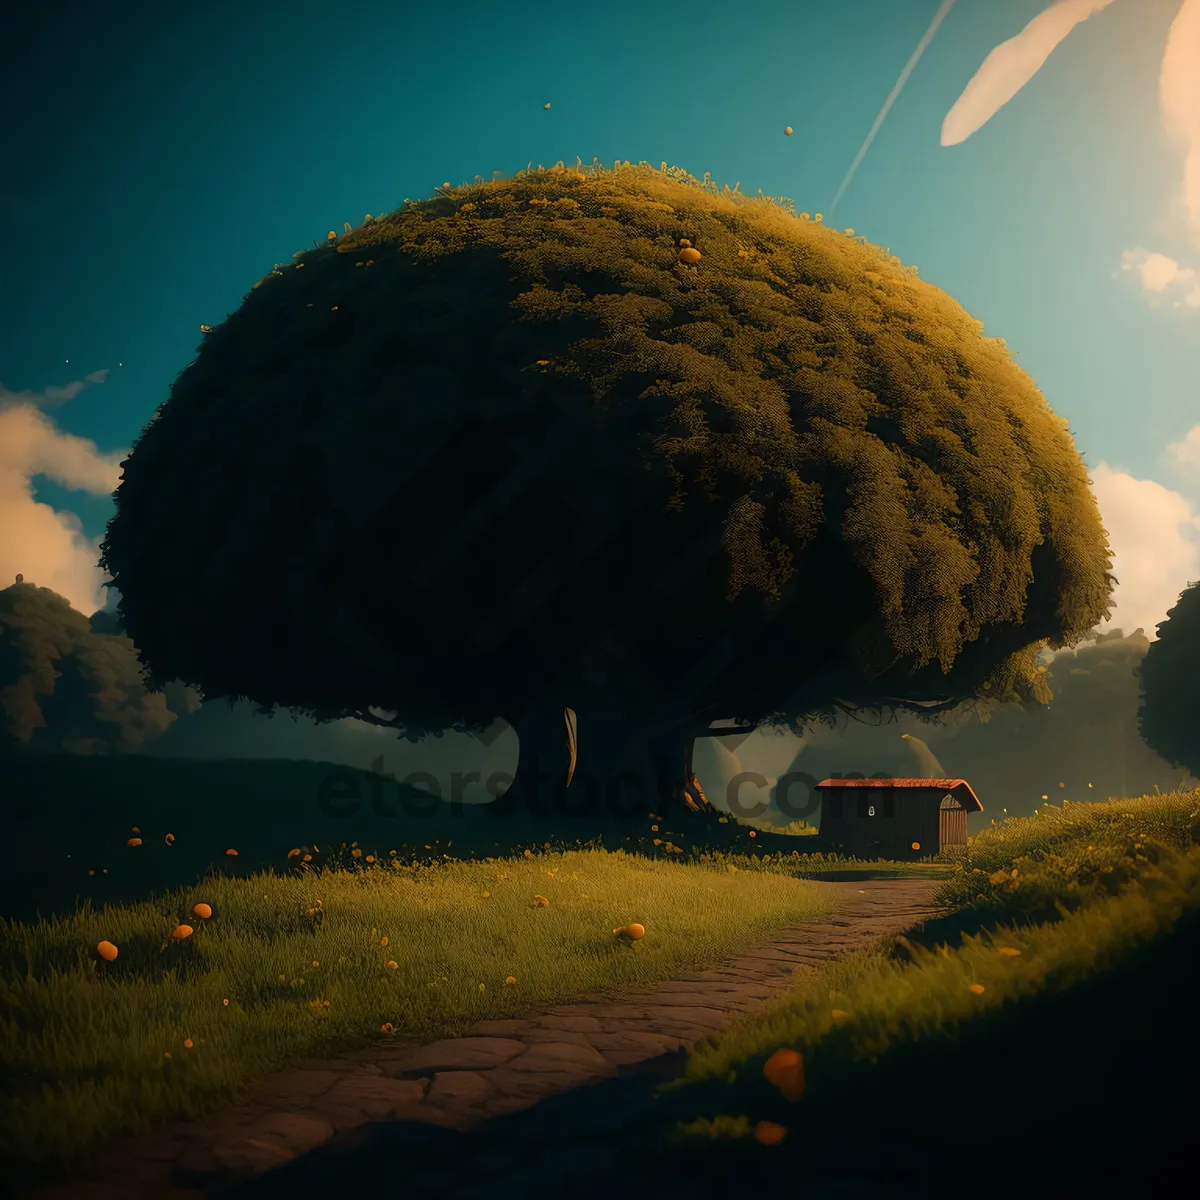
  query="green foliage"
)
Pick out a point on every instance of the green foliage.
point(1068, 857)
point(831, 441)
point(65, 686)
point(1170, 677)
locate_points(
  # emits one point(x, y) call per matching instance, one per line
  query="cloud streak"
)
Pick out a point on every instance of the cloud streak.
point(49, 547)
point(909, 67)
point(1011, 65)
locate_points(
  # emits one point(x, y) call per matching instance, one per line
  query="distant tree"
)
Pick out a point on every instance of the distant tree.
point(1085, 745)
point(614, 441)
point(65, 686)
point(1170, 677)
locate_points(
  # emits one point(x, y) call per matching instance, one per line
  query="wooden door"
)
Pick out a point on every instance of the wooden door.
point(952, 823)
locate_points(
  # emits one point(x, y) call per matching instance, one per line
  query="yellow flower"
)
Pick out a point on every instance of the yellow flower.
point(392, 964)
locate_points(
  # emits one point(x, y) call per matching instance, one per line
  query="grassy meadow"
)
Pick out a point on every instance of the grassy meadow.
point(1039, 1041)
point(1005, 1042)
point(307, 964)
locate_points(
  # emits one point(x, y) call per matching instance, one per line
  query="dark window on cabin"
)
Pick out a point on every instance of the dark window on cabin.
point(835, 804)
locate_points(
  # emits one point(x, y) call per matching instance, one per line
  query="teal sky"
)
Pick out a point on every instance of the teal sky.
point(169, 156)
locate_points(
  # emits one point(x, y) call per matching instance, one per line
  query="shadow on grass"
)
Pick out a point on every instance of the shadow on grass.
point(73, 816)
point(1088, 1091)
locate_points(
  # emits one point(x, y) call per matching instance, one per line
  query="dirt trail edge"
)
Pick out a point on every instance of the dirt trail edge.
point(498, 1067)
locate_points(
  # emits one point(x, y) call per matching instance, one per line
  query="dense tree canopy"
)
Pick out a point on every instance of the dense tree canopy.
point(1170, 676)
point(613, 440)
point(68, 684)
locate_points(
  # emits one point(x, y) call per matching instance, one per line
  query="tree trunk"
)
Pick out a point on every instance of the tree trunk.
point(628, 766)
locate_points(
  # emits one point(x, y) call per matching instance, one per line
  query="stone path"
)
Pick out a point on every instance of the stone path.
point(500, 1067)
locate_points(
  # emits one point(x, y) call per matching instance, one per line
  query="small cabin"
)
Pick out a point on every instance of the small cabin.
point(895, 818)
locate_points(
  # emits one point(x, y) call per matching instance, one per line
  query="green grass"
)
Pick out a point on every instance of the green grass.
point(97, 1049)
point(1087, 919)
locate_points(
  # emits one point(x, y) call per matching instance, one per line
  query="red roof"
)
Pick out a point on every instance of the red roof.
point(959, 786)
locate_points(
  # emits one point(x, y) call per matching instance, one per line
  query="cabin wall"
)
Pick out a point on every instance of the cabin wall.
point(902, 816)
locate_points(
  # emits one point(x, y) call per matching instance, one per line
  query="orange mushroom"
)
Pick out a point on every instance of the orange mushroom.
point(231, 853)
point(182, 931)
point(634, 932)
point(684, 243)
point(916, 845)
point(788, 130)
point(689, 254)
point(107, 951)
point(785, 1070)
point(134, 841)
point(204, 911)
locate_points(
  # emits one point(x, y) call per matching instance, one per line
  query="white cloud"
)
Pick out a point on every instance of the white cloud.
point(1162, 276)
point(1186, 453)
point(1179, 96)
point(1155, 539)
point(49, 547)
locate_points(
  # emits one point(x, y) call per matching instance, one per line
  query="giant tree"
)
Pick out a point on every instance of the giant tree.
point(614, 442)
point(1170, 678)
